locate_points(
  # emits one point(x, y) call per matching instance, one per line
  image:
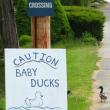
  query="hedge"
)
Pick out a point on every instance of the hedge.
point(2, 78)
point(86, 20)
point(60, 24)
point(76, 2)
point(24, 39)
point(78, 8)
point(23, 21)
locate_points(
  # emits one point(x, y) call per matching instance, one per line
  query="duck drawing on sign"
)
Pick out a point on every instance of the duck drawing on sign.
point(35, 103)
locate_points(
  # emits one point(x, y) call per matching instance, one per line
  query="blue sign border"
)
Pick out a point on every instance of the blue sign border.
point(40, 7)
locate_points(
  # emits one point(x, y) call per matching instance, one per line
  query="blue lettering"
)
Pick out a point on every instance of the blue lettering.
point(35, 71)
point(43, 54)
point(28, 56)
point(55, 62)
point(21, 59)
point(18, 73)
point(52, 83)
point(33, 83)
point(57, 83)
point(35, 53)
point(26, 72)
point(38, 83)
point(46, 83)
point(49, 59)
point(15, 62)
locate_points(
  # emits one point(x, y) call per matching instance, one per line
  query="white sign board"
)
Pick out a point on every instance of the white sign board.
point(36, 79)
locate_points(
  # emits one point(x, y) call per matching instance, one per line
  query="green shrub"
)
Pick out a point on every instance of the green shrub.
point(78, 8)
point(87, 38)
point(60, 25)
point(76, 2)
point(24, 39)
point(2, 78)
point(86, 20)
point(22, 19)
point(1, 52)
point(2, 104)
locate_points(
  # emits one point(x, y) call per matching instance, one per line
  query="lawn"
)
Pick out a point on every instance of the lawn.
point(81, 62)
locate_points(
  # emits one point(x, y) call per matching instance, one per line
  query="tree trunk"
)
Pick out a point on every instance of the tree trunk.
point(1, 38)
point(8, 25)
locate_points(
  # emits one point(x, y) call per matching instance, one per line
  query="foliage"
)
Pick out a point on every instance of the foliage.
point(98, 1)
point(60, 25)
point(86, 20)
point(22, 18)
point(1, 52)
point(2, 78)
point(24, 39)
point(76, 2)
point(77, 9)
point(87, 38)
point(15, 2)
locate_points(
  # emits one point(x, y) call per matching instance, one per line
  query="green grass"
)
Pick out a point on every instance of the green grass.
point(2, 84)
point(2, 77)
point(81, 62)
point(2, 104)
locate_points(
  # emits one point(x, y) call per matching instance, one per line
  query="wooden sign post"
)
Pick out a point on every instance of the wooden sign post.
point(40, 12)
point(40, 28)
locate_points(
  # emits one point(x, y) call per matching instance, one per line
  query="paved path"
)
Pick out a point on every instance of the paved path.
point(102, 77)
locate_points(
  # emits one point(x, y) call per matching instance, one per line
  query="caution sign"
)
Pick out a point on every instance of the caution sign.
point(36, 79)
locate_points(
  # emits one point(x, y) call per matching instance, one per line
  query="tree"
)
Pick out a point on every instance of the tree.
point(22, 18)
point(1, 38)
point(8, 25)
